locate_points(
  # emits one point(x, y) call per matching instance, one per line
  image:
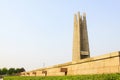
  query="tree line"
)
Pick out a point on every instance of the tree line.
point(11, 71)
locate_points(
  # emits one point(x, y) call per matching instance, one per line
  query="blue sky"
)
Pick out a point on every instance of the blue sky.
point(38, 32)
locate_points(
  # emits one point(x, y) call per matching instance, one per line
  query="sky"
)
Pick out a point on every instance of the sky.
point(39, 33)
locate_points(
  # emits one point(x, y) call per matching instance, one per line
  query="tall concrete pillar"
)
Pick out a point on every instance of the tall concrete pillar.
point(80, 38)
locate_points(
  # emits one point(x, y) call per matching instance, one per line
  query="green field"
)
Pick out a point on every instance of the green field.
point(78, 77)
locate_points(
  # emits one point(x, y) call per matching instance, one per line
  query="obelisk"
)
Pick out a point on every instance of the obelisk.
point(80, 38)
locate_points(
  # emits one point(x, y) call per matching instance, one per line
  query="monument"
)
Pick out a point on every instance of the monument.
point(80, 38)
point(81, 62)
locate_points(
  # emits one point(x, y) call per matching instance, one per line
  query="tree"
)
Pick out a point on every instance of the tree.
point(11, 71)
point(0, 72)
point(4, 71)
point(22, 70)
point(17, 70)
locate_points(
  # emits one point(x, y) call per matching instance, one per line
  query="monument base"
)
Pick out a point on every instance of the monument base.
point(108, 63)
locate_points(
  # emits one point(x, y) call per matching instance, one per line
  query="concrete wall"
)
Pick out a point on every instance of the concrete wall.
point(108, 63)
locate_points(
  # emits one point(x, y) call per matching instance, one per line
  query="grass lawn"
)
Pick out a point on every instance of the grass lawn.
point(78, 77)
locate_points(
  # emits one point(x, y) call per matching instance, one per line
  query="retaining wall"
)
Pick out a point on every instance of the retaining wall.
point(108, 63)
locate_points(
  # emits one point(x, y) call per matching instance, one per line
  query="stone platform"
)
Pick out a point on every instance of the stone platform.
point(108, 63)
